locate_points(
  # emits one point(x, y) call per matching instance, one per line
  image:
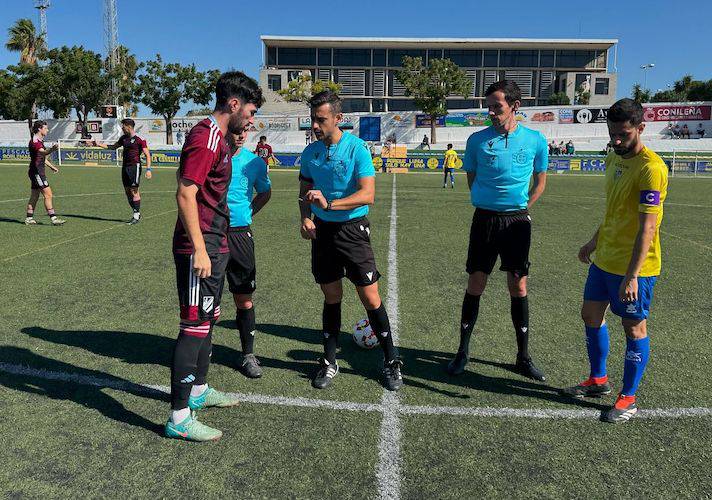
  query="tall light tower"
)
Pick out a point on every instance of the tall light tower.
point(42, 6)
point(645, 68)
point(111, 43)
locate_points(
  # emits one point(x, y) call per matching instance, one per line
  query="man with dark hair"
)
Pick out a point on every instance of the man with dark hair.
point(449, 166)
point(500, 161)
point(627, 258)
point(36, 173)
point(264, 151)
point(201, 252)
point(337, 185)
point(249, 175)
point(131, 164)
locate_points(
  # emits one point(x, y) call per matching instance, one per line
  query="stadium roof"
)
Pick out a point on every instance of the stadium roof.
point(520, 43)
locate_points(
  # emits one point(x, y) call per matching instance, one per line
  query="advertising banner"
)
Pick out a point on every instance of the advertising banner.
point(423, 121)
point(280, 124)
point(590, 115)
point(347, 123)
point(566, 116)
point(543, 116)
point(676, 113)
point(474, 119)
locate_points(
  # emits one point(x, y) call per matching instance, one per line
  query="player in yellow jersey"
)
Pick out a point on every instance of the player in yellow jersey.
point(626, 263)
point(449, 165)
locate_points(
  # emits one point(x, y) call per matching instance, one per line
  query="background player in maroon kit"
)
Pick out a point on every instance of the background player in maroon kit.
point(131, 170)
point(36, 173)
point(201, 252)
point(264, 151)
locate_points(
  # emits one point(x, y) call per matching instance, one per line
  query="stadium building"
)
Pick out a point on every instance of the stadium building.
point(366, 67)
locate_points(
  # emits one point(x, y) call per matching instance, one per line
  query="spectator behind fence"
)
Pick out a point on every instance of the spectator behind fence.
point(570, 147)
point(700, 131)
point(685, 132)
point(676, 131)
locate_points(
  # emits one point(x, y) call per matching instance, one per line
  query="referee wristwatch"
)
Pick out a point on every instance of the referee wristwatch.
point(328, 205)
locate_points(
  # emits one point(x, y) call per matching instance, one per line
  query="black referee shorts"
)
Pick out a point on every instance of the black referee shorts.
point(241, 268)
point(500, 234)
point(344, 249)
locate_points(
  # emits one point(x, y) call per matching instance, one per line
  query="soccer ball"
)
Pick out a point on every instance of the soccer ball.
point(364, 336)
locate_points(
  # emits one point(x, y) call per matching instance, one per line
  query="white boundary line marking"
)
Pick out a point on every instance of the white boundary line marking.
point(666, 233)
point(388, 470)
point(86, 235)
point(454, 411)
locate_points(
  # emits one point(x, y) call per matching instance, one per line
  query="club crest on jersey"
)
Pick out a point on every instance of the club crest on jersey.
point(520, 157)
point(208, 302)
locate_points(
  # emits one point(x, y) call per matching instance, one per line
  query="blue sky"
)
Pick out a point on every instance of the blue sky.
point(226, 34)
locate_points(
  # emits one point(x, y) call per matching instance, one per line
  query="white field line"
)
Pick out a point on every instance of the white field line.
point(388, 470)
point(455, 411)
point(81, 236)
point(697, 243)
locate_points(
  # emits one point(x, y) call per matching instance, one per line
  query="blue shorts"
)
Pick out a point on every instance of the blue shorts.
point(603, 287)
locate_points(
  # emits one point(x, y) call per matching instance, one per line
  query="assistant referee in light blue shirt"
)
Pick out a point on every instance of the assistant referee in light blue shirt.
point(501, 162)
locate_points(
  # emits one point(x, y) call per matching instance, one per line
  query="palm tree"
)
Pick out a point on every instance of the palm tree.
point(23, 38)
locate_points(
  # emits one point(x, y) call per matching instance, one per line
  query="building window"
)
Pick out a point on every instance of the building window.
point(401, 105)
point(379, 57)
point(518, 58)
point(354, 105)
point(324, 57)
point(491, 58)
point(271, 56)
point(378, 105)
point(274, 82)
point(575, 58)
point(434, 54)
point(602, 86)
point(395, 56)
point(546, 59)
point(465, 58)
point(297, 56)
point(460, 104)
point(352, 57)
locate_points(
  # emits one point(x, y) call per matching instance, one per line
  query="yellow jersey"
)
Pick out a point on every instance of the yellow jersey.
point(633, 186)
point(450, 158)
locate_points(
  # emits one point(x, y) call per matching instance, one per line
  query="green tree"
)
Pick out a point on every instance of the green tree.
point(559, 99)
point(700, 91)
point(23, 38)
point(667, 96)
point(165, 87)
point(76, 80)
point(301, 89)
point(430, 86)
point(199, 112)
point(640, 95)
point(21, 87)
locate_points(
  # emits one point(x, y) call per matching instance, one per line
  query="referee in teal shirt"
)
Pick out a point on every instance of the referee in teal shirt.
point(500, 162)
point(337, 185)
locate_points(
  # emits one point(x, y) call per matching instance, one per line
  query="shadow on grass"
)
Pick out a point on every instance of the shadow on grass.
point(423, 369)
point(93, 217)
point(83, 393)
point(423, 366)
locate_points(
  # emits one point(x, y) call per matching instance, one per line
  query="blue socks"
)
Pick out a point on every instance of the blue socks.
point(597, 346)
point(636, 357)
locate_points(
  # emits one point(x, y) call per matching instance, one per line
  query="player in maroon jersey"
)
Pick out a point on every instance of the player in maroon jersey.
point(36, 173)
point(131, 170)
point(201, 253)
point(264, 151)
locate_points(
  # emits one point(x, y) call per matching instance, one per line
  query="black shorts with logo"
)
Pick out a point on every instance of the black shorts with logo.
point(344, 249)
point(199, 298)
point(38, 181)
point(241, 269)
point(131, 175)
point(500, 234)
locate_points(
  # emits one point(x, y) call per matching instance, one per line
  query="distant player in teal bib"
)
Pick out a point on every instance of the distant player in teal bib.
point(249, 176)
point(501, 161)
point(337, 185)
